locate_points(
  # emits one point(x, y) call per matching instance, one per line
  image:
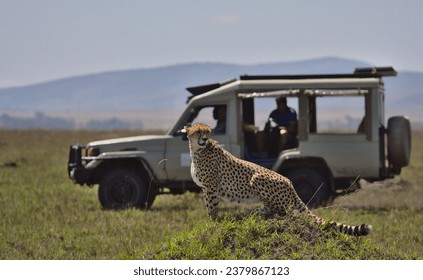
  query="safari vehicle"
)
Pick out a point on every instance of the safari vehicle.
point(341, 136)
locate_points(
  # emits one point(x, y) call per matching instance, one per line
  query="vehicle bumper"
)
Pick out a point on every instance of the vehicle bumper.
point(82, 168)
point(76, 170)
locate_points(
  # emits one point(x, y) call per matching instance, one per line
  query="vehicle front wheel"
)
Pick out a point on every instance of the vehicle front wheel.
point(122, 189)
point(311, 186)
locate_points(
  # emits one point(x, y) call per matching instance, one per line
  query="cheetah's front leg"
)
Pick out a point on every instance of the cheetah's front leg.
point(211, 200)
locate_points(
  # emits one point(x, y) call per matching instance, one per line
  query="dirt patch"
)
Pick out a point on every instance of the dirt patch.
point(13, 163)
point(388, 194)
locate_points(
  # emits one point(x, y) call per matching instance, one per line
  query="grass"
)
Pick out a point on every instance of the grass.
point(292, 237)
point(45, 216)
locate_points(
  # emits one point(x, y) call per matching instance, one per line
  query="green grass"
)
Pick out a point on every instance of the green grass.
point(45, 216)
point(291, 237)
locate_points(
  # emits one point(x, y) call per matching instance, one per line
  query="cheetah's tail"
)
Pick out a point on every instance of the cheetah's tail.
point(362, 230)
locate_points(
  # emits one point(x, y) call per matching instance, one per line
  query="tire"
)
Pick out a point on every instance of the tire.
point(399, 142)
point(122, 188)
point(311, 186)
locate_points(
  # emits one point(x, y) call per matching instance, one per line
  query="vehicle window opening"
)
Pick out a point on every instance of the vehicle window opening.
point(337, 114)
point(263, 137)
point(212, 115)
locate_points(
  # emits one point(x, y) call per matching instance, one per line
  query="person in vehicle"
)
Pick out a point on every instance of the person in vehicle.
point(286, 119)
point(280, 132)
point(219, 114)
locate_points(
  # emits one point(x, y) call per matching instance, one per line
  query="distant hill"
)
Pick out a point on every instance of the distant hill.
point(163, 89)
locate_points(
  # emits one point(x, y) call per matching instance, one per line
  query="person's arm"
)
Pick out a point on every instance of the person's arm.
point(293, 124)
point(292, 127)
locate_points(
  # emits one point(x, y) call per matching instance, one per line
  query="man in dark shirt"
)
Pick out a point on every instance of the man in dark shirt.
point(283, 115)
point(286, 119)
point(280, 131)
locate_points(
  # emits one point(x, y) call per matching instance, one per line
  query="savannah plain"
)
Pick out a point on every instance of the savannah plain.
point(43, 215)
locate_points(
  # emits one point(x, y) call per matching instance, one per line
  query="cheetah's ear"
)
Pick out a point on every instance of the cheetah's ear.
point(186, 128)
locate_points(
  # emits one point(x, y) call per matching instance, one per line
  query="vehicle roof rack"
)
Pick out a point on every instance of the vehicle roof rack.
point(369, 72)
point(387, 71)
point(197, 90)
point(366, 72)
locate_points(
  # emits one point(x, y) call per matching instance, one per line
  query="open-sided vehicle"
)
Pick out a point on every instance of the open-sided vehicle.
point(342, 135)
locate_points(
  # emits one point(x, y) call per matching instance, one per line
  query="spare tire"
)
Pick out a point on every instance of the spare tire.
point(399, 142)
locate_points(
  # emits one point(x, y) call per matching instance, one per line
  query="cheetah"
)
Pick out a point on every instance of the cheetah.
point(220, 174)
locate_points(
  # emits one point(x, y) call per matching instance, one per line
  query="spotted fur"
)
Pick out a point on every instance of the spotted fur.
point(220, 174)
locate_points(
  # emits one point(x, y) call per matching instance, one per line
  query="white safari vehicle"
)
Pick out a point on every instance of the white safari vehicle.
point(342, 135)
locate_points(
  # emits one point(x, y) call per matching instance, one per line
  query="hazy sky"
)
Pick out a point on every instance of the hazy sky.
point(48, 39)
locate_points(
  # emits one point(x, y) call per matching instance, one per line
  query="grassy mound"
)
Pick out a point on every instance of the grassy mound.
point(253, 237)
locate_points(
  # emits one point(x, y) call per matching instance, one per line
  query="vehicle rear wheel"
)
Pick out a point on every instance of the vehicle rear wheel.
point(122, 189)
point(311, 186)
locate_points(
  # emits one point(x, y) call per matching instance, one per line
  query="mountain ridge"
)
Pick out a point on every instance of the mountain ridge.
point(163, 87)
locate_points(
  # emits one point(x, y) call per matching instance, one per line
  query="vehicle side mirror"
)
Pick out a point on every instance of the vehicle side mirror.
point(184, 134)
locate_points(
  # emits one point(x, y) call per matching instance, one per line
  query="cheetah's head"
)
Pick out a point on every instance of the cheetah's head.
point(198, 136)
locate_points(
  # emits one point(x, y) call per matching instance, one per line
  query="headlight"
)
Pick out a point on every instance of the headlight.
point(93, 151)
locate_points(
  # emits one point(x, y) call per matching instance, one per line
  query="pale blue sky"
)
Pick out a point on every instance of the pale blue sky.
point(49, 39)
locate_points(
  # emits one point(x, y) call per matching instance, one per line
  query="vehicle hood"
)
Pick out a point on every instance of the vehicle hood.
point(134, 143)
